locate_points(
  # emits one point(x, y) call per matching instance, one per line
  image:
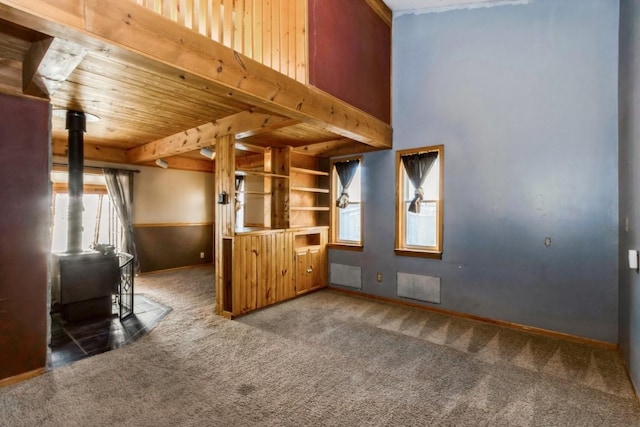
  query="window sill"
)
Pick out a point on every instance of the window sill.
point(419, 253)
point(345, 246)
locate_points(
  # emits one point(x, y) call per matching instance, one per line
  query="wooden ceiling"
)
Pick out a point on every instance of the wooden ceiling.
point(150, 100)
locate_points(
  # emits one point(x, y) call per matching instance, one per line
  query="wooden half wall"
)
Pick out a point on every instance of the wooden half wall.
point(25, 197)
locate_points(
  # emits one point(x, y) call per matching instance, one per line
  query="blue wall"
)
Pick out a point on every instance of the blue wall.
point(524, 99)
point(630, 182)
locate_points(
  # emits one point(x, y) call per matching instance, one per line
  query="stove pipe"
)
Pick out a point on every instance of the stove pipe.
point(76, 125)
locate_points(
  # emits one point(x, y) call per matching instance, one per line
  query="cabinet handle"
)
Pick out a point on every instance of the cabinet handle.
point(310, 269)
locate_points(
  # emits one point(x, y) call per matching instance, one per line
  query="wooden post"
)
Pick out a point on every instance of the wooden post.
point(280, 166)
point(224, 211)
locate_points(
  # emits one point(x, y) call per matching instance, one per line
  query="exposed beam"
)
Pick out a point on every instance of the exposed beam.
point(93, 152)
point(339, 147)
point(105, 154)
point(382, 10)
point(48, 64)
point(204, 136)
point(135, 35)
point(186, 163)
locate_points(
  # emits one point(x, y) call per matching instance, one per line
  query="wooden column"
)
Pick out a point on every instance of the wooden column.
point(281, 168)
point(224, 215)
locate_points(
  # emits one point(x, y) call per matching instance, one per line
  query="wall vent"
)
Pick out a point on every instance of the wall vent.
point(421, 288)
point(346, 275)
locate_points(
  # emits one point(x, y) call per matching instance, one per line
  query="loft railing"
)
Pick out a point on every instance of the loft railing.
point(272, 32)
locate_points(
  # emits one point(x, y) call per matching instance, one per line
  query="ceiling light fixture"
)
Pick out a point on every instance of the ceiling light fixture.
point(208, 153)
point(162, 163)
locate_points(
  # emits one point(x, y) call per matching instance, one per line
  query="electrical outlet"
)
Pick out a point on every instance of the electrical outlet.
point(202, 255)
point(379, 277)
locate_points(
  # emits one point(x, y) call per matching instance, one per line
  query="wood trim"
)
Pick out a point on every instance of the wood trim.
point(400, 246)
point(22, 377)
point(418, 253)
point(333, 218)
point(505, 324)
point(63, 187)
point(173, 224)
point(382, 10)
point(345, 247)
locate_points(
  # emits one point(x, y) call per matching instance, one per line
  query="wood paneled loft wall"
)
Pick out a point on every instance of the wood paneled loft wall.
point(326, 43)
point(272, 32)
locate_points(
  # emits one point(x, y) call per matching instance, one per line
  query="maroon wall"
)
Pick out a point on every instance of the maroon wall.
point(24, 234)
point(350, 54)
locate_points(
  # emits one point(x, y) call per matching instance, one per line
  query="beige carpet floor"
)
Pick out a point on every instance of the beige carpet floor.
point(325, 359)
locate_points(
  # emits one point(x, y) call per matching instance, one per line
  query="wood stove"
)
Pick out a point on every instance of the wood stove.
point(87, 280)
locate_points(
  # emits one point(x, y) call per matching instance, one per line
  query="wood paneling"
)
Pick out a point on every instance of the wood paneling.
point(224, 213)
point(263, 270)
point(148, 78)
point(271, 32)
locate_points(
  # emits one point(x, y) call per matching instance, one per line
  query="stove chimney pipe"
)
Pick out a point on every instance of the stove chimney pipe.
point(76, 125)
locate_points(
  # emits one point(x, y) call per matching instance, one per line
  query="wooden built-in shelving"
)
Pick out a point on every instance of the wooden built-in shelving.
point(309, 171)
point(243, 172)
point(310, 189)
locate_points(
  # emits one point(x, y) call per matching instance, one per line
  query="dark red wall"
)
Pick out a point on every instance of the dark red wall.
point(24, 234)
point(350, 54)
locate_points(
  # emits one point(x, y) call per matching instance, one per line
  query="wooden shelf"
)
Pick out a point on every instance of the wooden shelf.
point(243, 172)
point(309, 171)
point(310, 208)
point(311, 190)
point(259, 193)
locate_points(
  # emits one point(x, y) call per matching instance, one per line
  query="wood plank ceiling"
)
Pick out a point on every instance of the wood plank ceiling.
point(140, 104)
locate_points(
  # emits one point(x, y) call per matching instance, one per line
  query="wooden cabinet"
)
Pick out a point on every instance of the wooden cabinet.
point(310, 260)
point(286, 256)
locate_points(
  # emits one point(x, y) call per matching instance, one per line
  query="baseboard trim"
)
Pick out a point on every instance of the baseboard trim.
point(505, 324)
point(626, 370)
point(21, 377)
point(186, 267)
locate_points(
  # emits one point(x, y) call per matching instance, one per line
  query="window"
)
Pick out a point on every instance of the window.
point(419, 211)
point(100, 221)
point(346, 202)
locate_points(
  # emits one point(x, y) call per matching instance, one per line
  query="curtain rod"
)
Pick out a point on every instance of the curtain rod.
point(96, 168)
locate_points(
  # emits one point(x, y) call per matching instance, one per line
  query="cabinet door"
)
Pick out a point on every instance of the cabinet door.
point(316, 275)
point(303, 277)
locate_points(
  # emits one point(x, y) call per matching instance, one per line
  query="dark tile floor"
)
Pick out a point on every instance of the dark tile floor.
point(75, 341)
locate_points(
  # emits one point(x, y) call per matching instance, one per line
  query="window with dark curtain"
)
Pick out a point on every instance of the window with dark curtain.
point(346, 171)
point(417, 167)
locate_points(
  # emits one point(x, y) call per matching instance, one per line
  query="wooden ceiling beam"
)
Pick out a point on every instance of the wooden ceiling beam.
point(205, 135)
point(101, 153)
point(92, 152)
point(339, 147)
point(185, 163)
point(48, 64)
point(133, 34)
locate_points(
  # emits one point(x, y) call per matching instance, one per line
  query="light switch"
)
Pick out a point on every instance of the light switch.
point(633, 259)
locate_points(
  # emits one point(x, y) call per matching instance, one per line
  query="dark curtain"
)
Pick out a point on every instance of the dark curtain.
point(346, 171)
point(417, 167)
point(120, 189)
